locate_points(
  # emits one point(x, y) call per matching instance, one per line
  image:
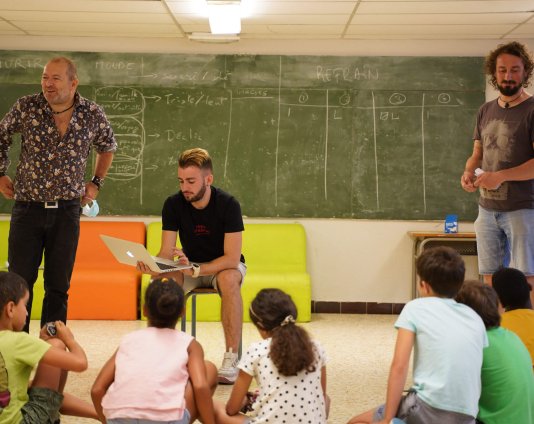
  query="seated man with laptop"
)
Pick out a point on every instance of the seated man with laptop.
point(209, 224)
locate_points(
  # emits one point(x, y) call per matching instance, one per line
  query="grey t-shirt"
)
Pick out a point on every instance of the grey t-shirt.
point(507, 137)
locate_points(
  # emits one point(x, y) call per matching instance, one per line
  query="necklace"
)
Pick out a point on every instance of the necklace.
point(71, 106)
point(506, 103)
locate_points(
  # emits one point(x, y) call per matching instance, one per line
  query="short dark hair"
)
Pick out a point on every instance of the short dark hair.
point(164, 302)
point(512, 288)
point(443, 269)
point(12, 288)
point(513, 48)
point(195, 157)
point(483, 300)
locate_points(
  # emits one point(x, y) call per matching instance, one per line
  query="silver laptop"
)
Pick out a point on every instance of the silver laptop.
point(129, 253)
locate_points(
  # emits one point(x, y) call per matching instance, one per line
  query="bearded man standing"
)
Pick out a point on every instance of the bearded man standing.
point(503, 156)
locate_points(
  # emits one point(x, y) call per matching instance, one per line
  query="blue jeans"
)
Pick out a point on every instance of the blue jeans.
point(35, 229)
point(505, 239)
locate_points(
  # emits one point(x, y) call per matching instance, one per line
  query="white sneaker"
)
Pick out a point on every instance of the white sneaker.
point(227, 374)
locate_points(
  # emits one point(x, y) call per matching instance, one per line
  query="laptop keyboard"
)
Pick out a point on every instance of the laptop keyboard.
point(165, 266)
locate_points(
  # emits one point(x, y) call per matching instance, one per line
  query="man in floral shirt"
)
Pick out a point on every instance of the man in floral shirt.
point(58, 127)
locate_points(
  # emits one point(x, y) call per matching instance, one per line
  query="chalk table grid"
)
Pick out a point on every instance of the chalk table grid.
point(464, 243)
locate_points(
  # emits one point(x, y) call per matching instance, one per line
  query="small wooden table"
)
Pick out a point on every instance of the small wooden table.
point(464, 243)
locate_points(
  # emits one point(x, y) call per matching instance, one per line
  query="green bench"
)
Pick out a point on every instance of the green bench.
point(275, 255)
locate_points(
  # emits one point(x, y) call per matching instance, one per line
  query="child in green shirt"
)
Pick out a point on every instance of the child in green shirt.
point(507, 379)
point(42, 400)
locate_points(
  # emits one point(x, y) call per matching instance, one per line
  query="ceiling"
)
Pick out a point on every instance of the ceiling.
point(274, 19)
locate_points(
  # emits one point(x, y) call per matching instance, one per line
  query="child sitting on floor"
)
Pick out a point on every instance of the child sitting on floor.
point(513, 290)
point(447, 339)
point(507, 378)
point(43, 400)
point(158, 374)
point(288, 367)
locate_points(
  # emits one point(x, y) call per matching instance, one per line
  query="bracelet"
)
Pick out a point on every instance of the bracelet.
point(97, 181)
point(196, 270)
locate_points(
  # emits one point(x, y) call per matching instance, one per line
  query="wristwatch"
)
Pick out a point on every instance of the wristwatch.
point(97, 181)
point(196, 270)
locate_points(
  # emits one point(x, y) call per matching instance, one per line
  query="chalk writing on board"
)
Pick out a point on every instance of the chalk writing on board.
point(346, 74)
point(291, 136)
point(125, 107)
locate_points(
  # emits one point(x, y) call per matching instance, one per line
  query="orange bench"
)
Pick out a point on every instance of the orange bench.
point(101, 287)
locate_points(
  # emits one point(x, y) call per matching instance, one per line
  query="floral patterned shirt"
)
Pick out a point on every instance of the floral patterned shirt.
point(52, 167)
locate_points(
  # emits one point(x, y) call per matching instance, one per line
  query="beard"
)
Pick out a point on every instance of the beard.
point(509, 90)
point(199, 195)
point(57, 97)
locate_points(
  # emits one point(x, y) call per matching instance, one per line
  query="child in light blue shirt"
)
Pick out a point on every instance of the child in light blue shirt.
point(447, 339)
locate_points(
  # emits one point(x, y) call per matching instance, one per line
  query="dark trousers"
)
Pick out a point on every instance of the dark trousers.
point(55, 231)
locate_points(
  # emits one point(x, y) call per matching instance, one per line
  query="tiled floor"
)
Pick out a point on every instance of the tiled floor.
point(359, 349)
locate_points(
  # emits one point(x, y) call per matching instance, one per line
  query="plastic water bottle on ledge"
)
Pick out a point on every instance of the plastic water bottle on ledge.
point(451, 223)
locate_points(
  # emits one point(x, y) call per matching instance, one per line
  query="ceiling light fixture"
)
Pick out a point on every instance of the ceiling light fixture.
point(207, 37)
point(224, 16)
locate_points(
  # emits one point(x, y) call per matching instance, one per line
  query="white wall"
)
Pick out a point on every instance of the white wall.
point(349, 260)
point(356, 260)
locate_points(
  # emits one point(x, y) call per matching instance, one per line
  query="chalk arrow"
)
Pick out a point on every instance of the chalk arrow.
point(146, 76)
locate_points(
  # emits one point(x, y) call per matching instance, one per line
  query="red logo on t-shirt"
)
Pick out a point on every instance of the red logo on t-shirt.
point(201, 230)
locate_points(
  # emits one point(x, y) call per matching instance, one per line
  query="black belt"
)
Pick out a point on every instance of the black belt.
point(52, 204)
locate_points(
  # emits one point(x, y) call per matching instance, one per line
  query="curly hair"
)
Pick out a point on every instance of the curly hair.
point(12, 288)
point(291, 347)
point(513, 48)
point(164, 303)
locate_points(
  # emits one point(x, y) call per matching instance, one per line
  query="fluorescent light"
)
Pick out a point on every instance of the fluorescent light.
point(224, 16)
point(207, 37)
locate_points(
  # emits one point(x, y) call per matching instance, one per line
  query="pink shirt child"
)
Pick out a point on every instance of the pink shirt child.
point(150, 376)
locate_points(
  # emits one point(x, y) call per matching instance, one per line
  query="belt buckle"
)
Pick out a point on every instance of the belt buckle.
point(51, 205)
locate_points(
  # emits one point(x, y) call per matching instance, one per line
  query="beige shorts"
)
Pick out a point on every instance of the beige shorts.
point(209, 281)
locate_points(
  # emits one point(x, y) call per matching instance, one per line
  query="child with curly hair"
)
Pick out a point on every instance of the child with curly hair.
point(288, 366)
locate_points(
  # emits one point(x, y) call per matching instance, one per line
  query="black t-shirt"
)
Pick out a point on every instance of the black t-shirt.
point(202, 231)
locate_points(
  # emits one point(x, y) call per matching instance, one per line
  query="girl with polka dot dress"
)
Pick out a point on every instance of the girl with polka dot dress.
point(288, 367)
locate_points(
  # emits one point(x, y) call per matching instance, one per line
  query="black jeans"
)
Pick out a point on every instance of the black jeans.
point(35, 229)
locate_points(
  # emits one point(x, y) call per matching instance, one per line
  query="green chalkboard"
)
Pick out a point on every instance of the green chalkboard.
point(291, 136)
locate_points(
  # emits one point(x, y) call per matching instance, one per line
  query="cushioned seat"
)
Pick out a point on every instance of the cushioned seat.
point(4, 232)
point(275, 256)
point(101, 287)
